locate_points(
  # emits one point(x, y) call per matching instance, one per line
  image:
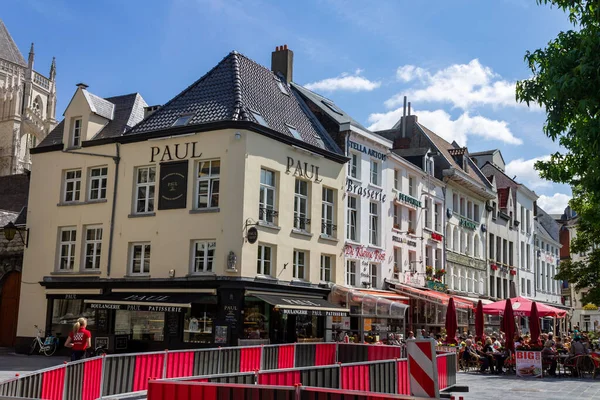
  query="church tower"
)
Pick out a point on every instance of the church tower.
point(27, 105)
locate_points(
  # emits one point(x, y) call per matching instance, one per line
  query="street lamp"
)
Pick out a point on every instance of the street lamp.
point(10, 231)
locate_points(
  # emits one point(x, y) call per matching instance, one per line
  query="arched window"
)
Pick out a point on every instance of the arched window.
point(455, 241)
point(476, 246)
point(37, 105)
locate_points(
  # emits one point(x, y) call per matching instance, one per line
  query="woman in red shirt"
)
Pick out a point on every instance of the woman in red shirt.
point(79, 339)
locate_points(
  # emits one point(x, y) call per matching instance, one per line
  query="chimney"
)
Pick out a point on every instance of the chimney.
point(82, 85)
point(148, 111)
point(282, 61)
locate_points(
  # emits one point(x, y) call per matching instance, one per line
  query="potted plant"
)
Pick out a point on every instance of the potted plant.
point(494, 267)
point(429, 270)
point(440, 273)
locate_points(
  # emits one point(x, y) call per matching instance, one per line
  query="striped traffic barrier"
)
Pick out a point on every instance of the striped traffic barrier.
point(422, 368)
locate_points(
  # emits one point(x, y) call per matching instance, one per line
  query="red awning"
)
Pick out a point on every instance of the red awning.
point(432, 295)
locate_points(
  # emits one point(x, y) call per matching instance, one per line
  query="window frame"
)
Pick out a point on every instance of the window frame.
point(207, 260)
point(352, 228)
point(102, 185)
point(301, 219)
point(71, 244)
point(373, 276)
point(76, 132)
point(350, 275)
point(211, 179)
point(374, 172)
point(354, 165)
point(326, 270)
point(328, 212)
point(76, 181)
point(411, 186)
point(297, 265)
point(374, 224)
point(148, 185)
point(266, 212)
point(261, 260)
point(96, 246)
point(146, 254)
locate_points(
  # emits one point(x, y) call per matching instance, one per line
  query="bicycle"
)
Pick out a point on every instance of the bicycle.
point(96, 352)
point(48, 346)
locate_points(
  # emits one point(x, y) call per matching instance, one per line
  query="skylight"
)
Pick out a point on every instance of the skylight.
point(259, 118)
point(294, 132)
point(332, 107)
point(282, 87)
point(183, 120)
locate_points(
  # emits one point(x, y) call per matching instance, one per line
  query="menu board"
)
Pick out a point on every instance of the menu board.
point(102, 320)
point(172, 324)
point(221, 334)
point(121, 342)
point(529, 364)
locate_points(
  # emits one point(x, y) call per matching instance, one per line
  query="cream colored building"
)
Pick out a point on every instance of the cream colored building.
point(213, 220)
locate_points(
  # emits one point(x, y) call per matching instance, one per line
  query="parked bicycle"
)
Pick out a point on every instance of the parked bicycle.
point(96, 352)
point(47, 346)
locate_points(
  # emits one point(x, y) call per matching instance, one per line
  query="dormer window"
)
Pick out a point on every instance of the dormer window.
point(294, 132)
point(259, 118)
point(282, 87)
point(183, 120)
point(76, 133)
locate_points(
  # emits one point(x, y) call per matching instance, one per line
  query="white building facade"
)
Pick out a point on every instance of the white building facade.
point(526, 205)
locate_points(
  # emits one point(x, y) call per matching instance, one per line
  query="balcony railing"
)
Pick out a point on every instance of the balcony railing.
point(301, 223)
point(328, 228)
point(267, 214)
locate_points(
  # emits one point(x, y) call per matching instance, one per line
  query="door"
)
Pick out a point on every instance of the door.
point(9, 308)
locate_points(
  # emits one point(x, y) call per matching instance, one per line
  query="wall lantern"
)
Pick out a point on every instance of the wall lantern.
point(10, 231)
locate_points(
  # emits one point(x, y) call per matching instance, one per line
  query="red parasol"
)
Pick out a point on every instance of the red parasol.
point(508, 326)
point(534, 324)
point(479, 321)
point(522, 308)
point(451, 323)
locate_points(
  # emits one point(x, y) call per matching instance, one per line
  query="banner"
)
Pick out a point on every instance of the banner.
point(529, 364)
point(173, 185)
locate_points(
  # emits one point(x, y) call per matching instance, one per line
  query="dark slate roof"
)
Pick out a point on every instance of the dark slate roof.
point(8, 49)
point(231, 91)
point(14, 191)
point(128, 111)
point(412, 152)
point(21, 218)
point(99, 106)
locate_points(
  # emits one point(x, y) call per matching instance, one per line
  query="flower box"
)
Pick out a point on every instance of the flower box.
point(513, 272)
point(494, 267)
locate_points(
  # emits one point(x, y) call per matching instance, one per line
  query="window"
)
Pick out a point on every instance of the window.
point(510, 254)
point(476, 246)
point(301, 205)
point(373, 223)
point(265, 258)
point(494, 210)
point(523, 255)
point(476, 215)
point(428, 256)
point(397, 179)
point(266, 208)
point(528, 257)
point(438, 259)
point(462, 207)
point(427, 213)
point(72, 185)
point(299, 264)
point(397, 260)
point(469, 210)
point(412, 221)
point(36, 105)
point(437, 224)
point(76, 133)
point(353, 166)
point(93, 247)
point(528, 287)
point(528, 217)
point(492, 245)
point(411, 186)
point(140, 258)
point(351, 228)
point(351, 272)
point(98, 178)
point(397, 216)
point(455, 240)
point(208, 184)
point(259, 118)
point(294, 132)
point(68, 237)
point(522, 285)
point(455, 202)
point(374, 172)
point(281, 87)
point(429, 165)
point(203, 256)
point(325, 268)
point(523, 221)
point(327, 226)
point(183, 120)
point(373, 274)
point(144, 193)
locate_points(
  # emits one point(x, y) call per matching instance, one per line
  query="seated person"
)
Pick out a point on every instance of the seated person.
point(559, 344)
point(577, 348)
point(488, 353)
point(470, 355)
point(549, 355)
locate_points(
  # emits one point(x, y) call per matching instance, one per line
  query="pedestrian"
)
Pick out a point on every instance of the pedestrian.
point(79, 339)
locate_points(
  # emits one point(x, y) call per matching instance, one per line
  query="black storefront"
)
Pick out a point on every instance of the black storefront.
point(131, 315)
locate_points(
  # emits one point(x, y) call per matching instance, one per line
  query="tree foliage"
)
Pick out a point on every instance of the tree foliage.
point(566, 82)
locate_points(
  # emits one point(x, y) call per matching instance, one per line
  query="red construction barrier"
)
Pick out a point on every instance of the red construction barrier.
point(163, 391)
point(283, 378)
point(92, 373)
point(285, 357)
point(442, 372)
point(355, 377)
point(147, 366)
point(377, 353)
point(180, 364)
point(53, 383)
point(325, 354)
point(403, 381)
point(212, 391)
point(311, 393)
point(250, 359)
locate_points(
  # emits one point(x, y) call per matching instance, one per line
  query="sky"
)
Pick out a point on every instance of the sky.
point(457, 61)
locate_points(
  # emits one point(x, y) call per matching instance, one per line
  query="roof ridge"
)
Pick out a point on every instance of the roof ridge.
point(239, 113)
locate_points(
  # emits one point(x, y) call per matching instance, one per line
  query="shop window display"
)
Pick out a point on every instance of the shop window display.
point(66, 312)
point(140, 325)
point(198, 324)
point(256, 319)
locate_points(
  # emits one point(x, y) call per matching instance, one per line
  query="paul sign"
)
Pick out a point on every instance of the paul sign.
point(300, 169)
point(178, 151)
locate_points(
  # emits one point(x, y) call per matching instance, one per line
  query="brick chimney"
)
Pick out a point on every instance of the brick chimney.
point(282, 61)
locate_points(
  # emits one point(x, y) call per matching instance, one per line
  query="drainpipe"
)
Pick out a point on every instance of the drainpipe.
point(117, 160)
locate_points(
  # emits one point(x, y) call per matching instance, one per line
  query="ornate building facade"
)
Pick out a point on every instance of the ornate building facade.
point(27, 105)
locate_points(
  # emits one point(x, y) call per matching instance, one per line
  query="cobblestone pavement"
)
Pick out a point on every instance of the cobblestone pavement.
point(11, 364)
point(509, 387)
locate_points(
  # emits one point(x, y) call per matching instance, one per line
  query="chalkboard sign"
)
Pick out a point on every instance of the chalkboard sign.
point(172, 324)
point(102, 321)
point(221, 334)
point(121, 342)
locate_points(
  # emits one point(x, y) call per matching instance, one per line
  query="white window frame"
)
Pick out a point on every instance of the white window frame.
point(76, 188)
point(427, 213)
point(96, 250)
point(411, 186)
point(201, 254)
point(351, 270)
point(266, 211)
point(397, 260)
point(374, 173)
point(437, 213)
point(149, 201)
point(328, 212)
point(262, 261)
point(71, 242)
point(373, 275)
point(326, 267)
point(397, 215)
point(211, 180)
point(354, 166)
point(353, 221)
point(76, 132)
point(301, 206)
point(374, 224)
point(102, 182)
point(412, 221)
point(398, 180)
point(146, 253)
point(300, 264)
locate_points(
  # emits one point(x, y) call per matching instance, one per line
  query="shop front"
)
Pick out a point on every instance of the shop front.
point(374, 314)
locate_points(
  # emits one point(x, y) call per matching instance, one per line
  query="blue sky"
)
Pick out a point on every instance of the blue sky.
point(456, 60)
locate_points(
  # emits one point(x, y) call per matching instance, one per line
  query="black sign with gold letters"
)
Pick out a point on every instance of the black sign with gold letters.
point(173, 185)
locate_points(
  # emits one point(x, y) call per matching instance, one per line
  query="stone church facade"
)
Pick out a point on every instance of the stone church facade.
point(27, 105)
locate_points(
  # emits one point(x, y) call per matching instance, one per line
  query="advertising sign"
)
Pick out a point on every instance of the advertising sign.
point(529, 364)
point(173, 185)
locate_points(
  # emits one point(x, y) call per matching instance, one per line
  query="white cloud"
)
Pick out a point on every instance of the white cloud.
point(440, 122)
point(554, 204)
point(465, 86)
point(525, 172)
point(346, 81)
